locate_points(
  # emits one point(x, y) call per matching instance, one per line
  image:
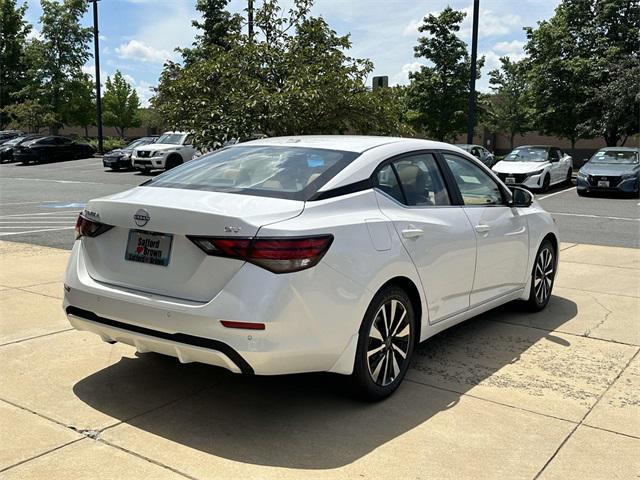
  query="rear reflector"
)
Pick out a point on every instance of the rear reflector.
point(276, 254)
point(242, 325)
point(90, 228)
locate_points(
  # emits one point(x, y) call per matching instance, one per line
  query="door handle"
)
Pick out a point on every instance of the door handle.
point(412, 232)
point(483, 228)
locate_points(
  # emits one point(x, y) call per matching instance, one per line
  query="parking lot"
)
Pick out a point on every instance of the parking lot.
point(39, 203)
point(553, 395)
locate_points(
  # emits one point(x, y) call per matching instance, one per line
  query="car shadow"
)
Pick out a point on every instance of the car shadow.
point(312, 421)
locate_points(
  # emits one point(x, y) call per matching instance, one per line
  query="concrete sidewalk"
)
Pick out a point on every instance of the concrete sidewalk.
point(554, 395)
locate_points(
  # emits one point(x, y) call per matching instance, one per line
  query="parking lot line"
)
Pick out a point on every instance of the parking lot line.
point(6, 234)
point(595, 216)
point(556, 193)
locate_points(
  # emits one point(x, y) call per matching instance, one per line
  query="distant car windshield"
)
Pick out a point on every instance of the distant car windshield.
point(171, 138)
point(613, 156)
point(272, 171)
point(14, 141)
point(138, 143)
point(527, 154)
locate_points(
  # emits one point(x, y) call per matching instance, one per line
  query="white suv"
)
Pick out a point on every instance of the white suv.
point(171, 150)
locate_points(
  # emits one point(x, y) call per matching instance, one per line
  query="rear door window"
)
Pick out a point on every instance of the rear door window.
point(273, 171)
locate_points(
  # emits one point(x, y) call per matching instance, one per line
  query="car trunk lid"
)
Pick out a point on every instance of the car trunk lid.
point(176, 213)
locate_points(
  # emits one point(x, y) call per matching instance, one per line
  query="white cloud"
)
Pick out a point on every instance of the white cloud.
point(411, 30)
point(490, 23)
point(402, 77)
point(137, 50)
point(513, 47)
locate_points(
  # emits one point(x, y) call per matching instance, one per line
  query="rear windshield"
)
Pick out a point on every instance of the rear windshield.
point(282, 172)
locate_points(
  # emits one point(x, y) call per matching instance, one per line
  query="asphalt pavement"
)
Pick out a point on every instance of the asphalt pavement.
point(39, 205)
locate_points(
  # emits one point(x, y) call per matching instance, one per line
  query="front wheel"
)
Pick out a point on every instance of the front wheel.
point(546, 183)
point(542, 277)
point(385, 344)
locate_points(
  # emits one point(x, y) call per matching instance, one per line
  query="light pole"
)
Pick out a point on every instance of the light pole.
point(250, 18)
point(471, 119)
point(96, 47)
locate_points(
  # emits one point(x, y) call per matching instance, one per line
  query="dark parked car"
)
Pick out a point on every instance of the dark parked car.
point(121, 157)
point(611, 169)
point(8, 147)
point(481, 153)
point(6, 135)
point(51, 149)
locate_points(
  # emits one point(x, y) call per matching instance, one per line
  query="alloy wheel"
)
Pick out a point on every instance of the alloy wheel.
point(388, 343)
point(543, 275)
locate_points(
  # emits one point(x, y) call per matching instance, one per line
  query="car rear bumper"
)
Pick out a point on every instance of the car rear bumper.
point(307, 328)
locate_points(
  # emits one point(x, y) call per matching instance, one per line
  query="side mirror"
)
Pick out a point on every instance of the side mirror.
point(521, 197)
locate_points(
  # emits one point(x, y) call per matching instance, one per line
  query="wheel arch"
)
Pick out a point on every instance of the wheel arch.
point(412, 290)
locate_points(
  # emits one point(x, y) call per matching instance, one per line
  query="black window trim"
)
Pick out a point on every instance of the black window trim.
point(507, 196)
point(454, 199)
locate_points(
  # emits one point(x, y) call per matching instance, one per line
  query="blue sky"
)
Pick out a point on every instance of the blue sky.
point(137, 36)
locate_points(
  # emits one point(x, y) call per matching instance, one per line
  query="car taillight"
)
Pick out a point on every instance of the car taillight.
point(90, 228)
point(278, 255)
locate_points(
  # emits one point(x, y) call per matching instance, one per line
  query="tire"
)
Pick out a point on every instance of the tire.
point(569, 179)
point(542, 277)
point(581, 193)
point(546, 183)
point(173, 161)
point(376, 376)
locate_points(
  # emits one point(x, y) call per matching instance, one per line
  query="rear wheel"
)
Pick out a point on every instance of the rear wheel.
point(542, 277)
point(385, 344)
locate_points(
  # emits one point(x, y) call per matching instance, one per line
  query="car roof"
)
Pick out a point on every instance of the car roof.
point(349, 143)
point(619, 149)
point(535, 146)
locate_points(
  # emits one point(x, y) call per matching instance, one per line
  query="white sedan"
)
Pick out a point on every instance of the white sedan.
point(303, 254)
point(535, 167)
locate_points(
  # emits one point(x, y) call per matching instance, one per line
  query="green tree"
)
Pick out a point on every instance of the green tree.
point(573, 57)
point(79, 107)
point(218, 25)
point(293, 77)
point(150, 118)
point(509, 109)
point(29, 114)
point(439, 92)
point(120, 104)
point(14, 30)
point(58, 56)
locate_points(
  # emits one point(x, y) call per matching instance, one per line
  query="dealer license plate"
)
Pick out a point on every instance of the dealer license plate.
point(510, 180)
point(603, 183)
point(148, 247)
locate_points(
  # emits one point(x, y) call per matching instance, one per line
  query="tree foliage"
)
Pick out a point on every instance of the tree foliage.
point(508, 109)
point(57, 57)
point(29, 114)
point(293, 77)
point(79, 107)
point(438, 93)
point(574, 58)
point(14, 30)
point(121, 104)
